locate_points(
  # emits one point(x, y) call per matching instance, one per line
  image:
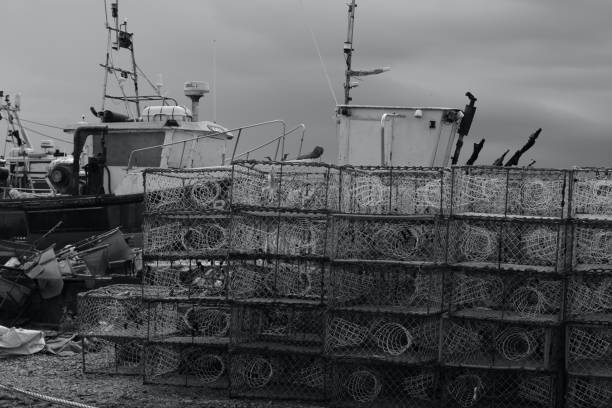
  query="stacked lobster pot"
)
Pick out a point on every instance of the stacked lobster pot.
point(277, 271)
point(184, 286)
point(387, 242)
point(500, 341)
point(588, 349)
point(112, 323)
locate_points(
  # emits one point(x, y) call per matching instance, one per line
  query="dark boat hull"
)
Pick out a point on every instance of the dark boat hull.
point(81, 217)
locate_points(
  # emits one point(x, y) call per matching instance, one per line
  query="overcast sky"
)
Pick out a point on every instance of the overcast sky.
point(530, 63)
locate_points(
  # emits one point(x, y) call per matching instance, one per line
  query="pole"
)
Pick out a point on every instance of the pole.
point(348, 51)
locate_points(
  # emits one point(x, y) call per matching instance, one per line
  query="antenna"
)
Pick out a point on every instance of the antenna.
point(348, 52)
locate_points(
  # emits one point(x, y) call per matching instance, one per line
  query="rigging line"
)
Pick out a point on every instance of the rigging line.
point(316, 44)
point(106, 12)
point(50, 137)
point(155, 89)
point(41, 124)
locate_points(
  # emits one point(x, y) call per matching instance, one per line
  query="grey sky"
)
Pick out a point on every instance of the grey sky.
point(544, 63)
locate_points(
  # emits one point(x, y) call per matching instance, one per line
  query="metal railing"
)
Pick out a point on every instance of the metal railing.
point(280, 142)
point(212, 135)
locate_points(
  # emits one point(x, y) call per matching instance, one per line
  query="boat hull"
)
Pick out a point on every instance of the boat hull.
point(81, 217)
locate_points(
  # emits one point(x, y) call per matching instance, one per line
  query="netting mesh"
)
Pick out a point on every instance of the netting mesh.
point(589, 296)
point(592, 247)
point(401, 338)
point(592, 193)
point(207, 321)
point(285, 376)
point(175, 191)
point(497, 344)
point(477, 191)
point(358, 238)
point(284, 235)
point(466, 390)
point(184, 279)
point(280, 325)
point(186, 237)
point(118, 310)
point(294, 186)
point(589, 392)
point(112, 355)
point(589, 350)
point(504, 295)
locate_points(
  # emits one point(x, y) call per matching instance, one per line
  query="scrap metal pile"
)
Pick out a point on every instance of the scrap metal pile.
point(462, 287)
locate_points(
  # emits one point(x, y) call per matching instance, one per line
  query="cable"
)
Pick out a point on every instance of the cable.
point(316, 44)
point(41, 124)
point(50, 137)
point(47, 398)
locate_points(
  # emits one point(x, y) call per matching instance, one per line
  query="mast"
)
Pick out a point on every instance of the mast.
point(348, 52)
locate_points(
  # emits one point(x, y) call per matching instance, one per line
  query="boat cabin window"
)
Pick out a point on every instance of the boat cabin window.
point(119, 145)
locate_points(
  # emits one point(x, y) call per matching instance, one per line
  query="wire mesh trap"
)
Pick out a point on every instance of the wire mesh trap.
point(186, 237)
point(186, 364)
point(285, 185)
point(499, 388)
point(112, 355)
point(589, 296)
point(363, 385)
point(490, 344)
point(281, 376)
point(115, 310)
point(392, 190)
point(285, 326)
point(191, 279)
point(378, 286)
point(480, 190)
point(207, 321)
point(411, 339)
point(173, 191)
point(589, 350)
point(588, 392)
point(289, 235)
point(592, 193)
point(506, 296)
point(592, 246)
point(389, 239)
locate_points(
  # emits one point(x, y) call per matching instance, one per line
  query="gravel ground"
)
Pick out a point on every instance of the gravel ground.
point(62, 377)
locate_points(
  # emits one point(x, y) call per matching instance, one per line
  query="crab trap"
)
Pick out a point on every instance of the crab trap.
point(185, 279)
point(115, 310)
point(591, 246)
point(383, 385)
point(589, 350)
point(484, 388)
point(289, 326)
point(394, 190)
point(592, 193)
point(288, 186)
point(180, 237)
point(277, 278)
point(206, 322)
point(173, 191)
point(528, 245)
point(386, 286)
point(509, 192)
point(286, 234)
point(494, 344)
point(535, 297)
point(187, 364)
point(588, 392)
point(277, 375)
point(112, 355)
point(407, 239)
point(399, 338)
point(589, 297)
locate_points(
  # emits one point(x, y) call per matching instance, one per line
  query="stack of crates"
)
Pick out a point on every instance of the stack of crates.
point(184, 285)
point(588, 349)
point(386, 292)
point(277, 272)
point(501, 338)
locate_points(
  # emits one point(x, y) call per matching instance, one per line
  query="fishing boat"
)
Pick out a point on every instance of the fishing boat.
point(98, 186)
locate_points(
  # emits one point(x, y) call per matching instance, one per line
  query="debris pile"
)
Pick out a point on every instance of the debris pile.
point(368, 286)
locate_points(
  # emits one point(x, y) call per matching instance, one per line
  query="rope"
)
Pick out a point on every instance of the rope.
point(41, 124)
point(50, 137)
point(316, 45)
point(43, 397)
